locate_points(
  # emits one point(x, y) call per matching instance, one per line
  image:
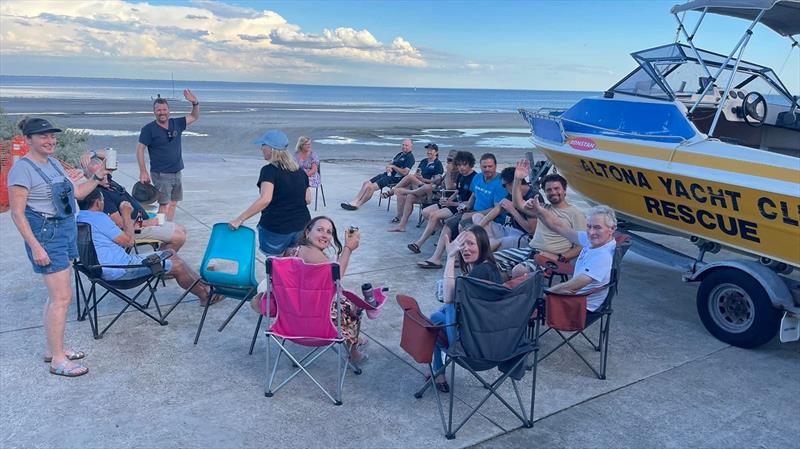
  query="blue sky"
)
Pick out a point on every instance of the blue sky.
point(567, 45)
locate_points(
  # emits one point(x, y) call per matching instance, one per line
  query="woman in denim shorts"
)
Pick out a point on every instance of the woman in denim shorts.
point(43, 209)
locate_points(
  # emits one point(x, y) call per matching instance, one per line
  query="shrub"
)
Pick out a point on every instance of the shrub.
point(71, 144)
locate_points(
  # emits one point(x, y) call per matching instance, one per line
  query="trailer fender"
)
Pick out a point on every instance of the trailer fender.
point(773, 284)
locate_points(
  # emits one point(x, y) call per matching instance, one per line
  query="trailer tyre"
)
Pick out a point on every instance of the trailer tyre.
point(735, 309)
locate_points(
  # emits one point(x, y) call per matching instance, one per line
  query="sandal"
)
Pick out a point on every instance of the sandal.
point(217, 297)
point(66, 370)
point(414, 248)
point(395, 220)
point(441, 386)
point(427, 264)
point(348, 206)
point(71, 355)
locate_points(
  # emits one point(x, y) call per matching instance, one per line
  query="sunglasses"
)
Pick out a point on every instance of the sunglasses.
point(66, 202)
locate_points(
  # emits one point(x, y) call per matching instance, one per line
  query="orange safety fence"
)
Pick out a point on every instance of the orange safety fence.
point(10, 152)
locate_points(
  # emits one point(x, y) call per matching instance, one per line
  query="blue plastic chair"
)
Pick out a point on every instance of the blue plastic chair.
point(228, 267)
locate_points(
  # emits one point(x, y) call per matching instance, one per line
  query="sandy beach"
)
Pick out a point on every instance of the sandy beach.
point(340, 133)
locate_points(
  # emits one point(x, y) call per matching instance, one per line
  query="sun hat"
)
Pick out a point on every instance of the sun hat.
point(274, 139)
point(145, 193)
point(39, 126)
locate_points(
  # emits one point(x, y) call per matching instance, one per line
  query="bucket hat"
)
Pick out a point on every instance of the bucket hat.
point(145, 193)
point(274, 139)
point(39, 126)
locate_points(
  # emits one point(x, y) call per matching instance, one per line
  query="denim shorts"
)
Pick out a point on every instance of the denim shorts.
point(274, 244)
point(135, 273)
point(59, 237)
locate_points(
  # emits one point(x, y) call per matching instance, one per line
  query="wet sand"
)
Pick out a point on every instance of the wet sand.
point(341, 133)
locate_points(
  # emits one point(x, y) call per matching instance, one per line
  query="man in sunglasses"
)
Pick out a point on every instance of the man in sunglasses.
point(171, 234)
point(162, 138)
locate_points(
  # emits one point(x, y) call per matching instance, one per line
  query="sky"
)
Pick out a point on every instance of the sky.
point(553, 45)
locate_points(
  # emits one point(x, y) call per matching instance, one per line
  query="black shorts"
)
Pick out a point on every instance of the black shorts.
point(383, 180)
point(452, 224)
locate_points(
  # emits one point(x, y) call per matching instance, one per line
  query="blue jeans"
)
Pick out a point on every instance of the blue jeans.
point(274, 244)
point(444, 316)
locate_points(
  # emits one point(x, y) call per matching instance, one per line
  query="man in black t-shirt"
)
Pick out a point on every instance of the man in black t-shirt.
point(162, 138)
point(400, 166)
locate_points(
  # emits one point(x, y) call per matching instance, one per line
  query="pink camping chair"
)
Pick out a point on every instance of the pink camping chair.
point(304, 294)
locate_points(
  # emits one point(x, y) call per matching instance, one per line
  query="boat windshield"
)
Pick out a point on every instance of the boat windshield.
point(672, 72)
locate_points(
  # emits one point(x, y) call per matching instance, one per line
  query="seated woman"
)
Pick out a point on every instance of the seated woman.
point(320, 244)
point(414, 188)
point(593, 265)
point(471, 247)
point(448, 206)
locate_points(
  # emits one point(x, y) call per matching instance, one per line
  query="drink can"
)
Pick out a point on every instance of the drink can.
point(111, 159)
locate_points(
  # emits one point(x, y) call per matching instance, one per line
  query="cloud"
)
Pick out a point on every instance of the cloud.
point(201, 36)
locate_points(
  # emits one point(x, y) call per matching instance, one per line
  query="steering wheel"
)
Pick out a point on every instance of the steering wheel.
point(755, 109)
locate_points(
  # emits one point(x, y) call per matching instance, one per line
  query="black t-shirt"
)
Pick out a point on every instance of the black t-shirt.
point(462, 186)
point(486, 271)
point(430, 169)
point(288, 211)
point(115, 194)
point(164, 145)
point(402, 160)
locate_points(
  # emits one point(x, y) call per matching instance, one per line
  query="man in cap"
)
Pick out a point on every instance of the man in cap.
point(400, 166)
point(171, 234)
point(417, 187)
point(162, 138)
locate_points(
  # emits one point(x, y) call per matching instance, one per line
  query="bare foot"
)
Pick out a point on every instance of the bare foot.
point(397, 229)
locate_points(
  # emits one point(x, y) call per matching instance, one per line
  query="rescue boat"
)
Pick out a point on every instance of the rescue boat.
point(702, 145)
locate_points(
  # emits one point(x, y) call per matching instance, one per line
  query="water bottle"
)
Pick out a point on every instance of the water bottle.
point(369, 295)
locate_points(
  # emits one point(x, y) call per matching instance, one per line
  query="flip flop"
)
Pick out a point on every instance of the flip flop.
point(348, 206)
point(72, 355)
point(395, 220)
point(414, 248)
point(429, 265)
point(72, 371)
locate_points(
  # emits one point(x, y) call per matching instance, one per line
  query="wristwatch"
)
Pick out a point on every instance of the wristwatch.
point(96, 178)
point(561, 258)
point(195, 103)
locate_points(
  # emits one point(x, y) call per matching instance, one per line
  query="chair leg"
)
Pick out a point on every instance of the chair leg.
point(255, 334)
point(322, 189)
point(449, 434)
point(316, 197)
point(202, 320)
point(236, 310)
point(438, 398)
point(185, 293)
point(77, 295)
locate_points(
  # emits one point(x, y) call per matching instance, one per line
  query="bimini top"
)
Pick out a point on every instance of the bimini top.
point(783, 16)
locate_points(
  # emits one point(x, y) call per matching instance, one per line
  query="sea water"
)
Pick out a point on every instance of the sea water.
point(322, 98)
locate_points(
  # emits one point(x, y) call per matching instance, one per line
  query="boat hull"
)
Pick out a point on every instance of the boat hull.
point(728, 201)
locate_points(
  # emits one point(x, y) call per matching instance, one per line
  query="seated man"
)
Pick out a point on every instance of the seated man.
point(545, 241)
point(399, 167)
point(416, 188)
point(487, 191)
point(593, 267)
point(110, 242)
point(171, 234)
point(517, 224)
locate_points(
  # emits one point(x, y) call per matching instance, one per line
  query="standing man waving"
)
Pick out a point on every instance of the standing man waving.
point(162, 138)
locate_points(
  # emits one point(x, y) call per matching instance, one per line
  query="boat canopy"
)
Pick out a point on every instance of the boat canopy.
point(673, 71)
point(782, 16)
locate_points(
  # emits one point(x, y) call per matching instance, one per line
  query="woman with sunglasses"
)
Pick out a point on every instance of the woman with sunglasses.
point(43, 209)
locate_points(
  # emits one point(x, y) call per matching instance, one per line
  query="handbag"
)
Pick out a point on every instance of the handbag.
point(565, 312)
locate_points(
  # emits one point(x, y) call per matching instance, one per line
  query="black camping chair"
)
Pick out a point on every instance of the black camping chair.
point(602, 316)
point(89, 266)
point(319, 189)
point(492, 323)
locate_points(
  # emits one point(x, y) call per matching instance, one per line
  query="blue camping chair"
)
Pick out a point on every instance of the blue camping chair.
point(228, 267)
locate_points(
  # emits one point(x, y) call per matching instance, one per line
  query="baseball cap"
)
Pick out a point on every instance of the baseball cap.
point(432, 145)
point(275, 139)
point(39, 126)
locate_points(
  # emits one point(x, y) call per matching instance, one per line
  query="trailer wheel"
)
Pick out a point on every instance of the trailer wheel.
point(735, 309)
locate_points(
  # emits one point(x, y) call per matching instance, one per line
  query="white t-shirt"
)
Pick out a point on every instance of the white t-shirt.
point(595, 263)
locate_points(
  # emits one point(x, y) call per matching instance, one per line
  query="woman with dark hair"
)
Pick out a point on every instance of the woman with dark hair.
point(320, 244)
point(472, 250)
point(43, 209)
point(283, 199)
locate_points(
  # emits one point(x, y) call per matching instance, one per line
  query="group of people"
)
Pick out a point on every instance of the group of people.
point(483, 218)
point(492, 225)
